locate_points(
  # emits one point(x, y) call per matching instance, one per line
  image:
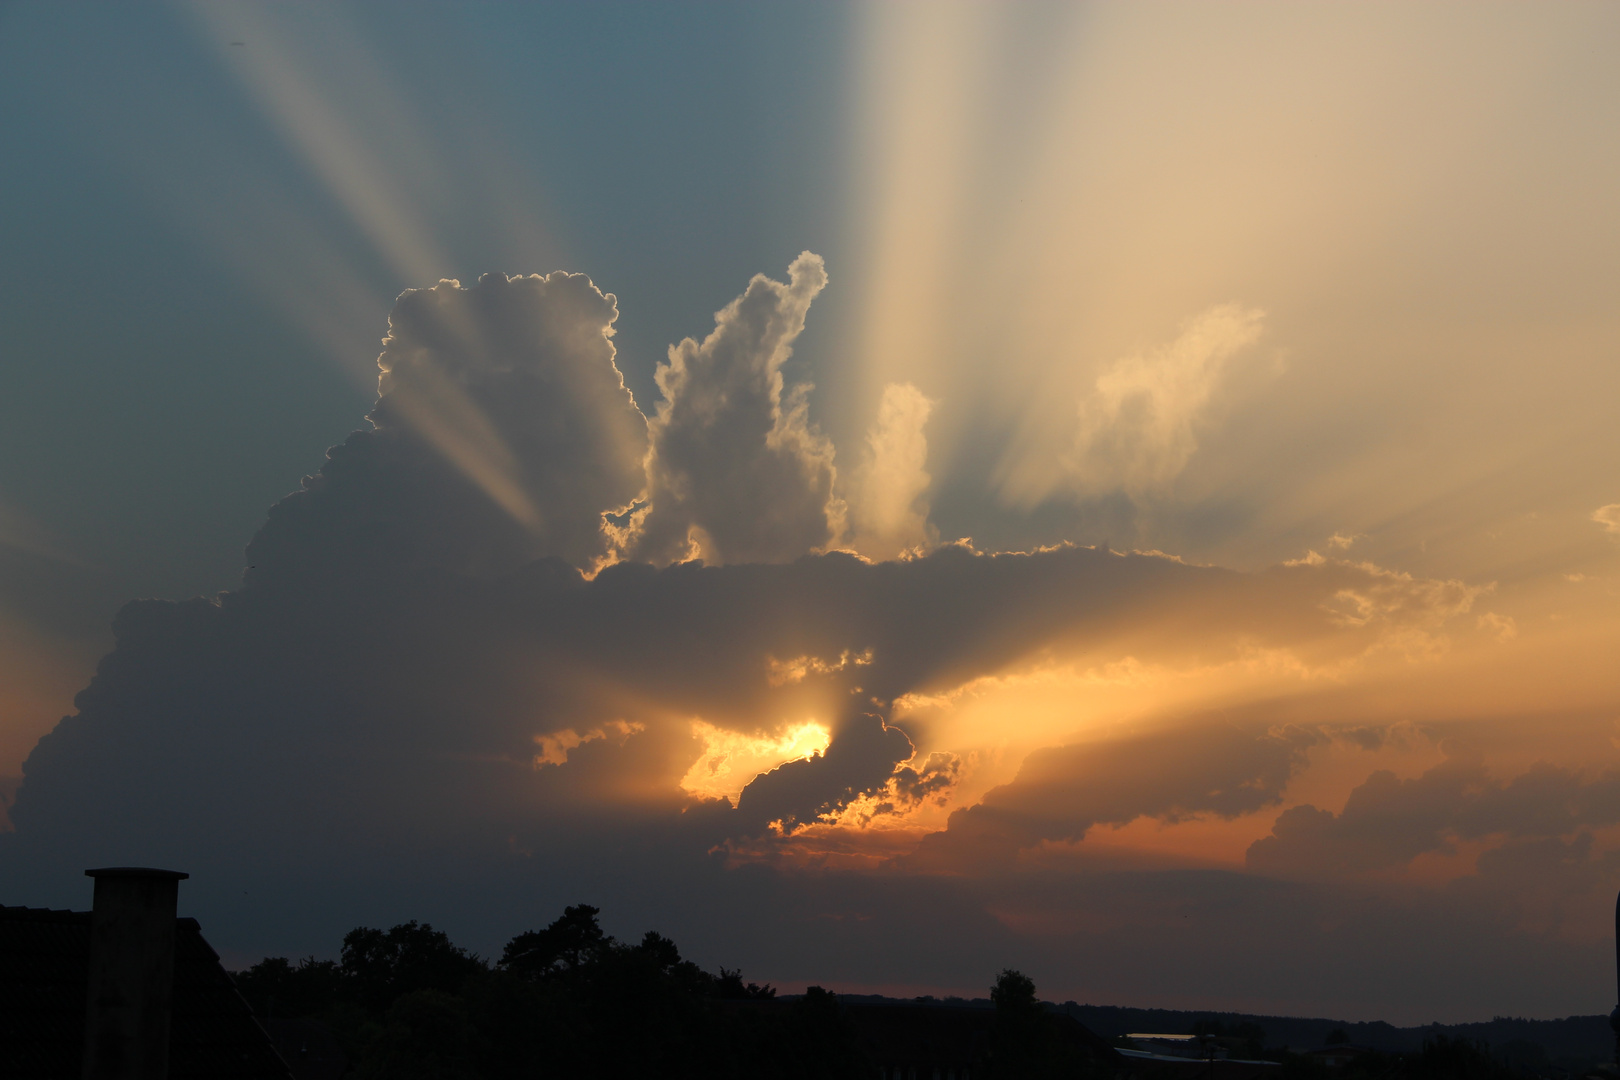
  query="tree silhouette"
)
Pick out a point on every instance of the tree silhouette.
point(729, 986)
point(570, 1001)
point(571, 942)
point(277, 987)
point(379, 966)
point(1029, 1043)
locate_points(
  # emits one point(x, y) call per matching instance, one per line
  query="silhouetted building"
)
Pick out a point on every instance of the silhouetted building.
point(125, 992)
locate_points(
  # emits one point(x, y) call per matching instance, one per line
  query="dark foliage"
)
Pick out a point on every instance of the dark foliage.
point(1441, 1058)
point(1459, 1059)
point(731, 987)
point(571, 943)
point(570, 1001)
point(380, 967)
point(1029, 1042)
point(564, 1001)
point(276, 987)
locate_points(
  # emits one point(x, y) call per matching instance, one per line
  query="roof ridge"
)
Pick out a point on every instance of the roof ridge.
point(41, 913)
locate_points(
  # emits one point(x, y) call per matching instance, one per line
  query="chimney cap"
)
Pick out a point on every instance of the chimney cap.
point(136, 871)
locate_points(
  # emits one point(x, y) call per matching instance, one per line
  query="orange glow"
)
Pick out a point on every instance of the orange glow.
point(730, 759)
point(1196, 841)
point(39, 674)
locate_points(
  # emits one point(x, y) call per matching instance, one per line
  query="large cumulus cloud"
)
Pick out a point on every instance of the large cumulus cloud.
point(473, 660)
point(737, 472)
point(502, 433)
point(417, 699)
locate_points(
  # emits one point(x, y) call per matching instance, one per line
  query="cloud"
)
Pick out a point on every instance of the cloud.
point(1532, 886)
point(737, 473)
point(1609, 518)
point(554, 747)
point(1060, 793)
point(467, 670)
point(408, 704)
point(1387, 822)
point(930, 778)
point(889, 509)
point(1138, 423)
point(1410, 610)
point(732, 759)
point(502, 433)
point(860, 761)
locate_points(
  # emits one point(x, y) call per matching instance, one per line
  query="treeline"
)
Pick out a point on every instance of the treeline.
point(571, 1001)
point(1435, 1052)
point(1574, 1039)
point(1441, 1058)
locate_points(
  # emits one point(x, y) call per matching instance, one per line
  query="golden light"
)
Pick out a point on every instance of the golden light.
point(731, 759)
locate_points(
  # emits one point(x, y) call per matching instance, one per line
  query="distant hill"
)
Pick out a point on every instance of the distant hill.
point(1584, 1038)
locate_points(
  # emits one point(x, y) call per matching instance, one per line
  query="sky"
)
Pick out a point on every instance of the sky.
point(879, 493)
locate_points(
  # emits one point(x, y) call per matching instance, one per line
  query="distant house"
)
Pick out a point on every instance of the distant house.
point(127, 991)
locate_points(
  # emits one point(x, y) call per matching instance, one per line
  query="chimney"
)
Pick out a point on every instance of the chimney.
point(126, 1031)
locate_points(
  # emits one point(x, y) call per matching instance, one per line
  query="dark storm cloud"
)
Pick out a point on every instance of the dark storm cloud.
point(1205, 767)
point(1388, 822)
point(413, 699)
point(400, 710)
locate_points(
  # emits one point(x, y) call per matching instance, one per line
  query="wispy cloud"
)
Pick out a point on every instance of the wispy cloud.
point(1138, 425)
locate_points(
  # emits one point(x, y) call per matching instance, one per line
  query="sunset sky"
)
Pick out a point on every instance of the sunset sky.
point(879, 493)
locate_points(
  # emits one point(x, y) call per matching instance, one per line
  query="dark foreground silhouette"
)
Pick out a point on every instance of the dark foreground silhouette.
point(570, 1001)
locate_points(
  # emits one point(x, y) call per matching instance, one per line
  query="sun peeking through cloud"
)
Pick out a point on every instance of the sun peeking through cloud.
point(731, 759)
